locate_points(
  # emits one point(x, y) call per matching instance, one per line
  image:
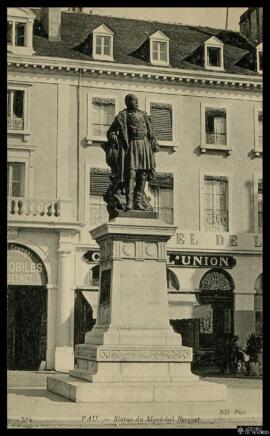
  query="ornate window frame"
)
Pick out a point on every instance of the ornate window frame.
point(105, 31)
point(161, 99)
point(204, 147)
point(229, 177)
point(258, 150)
point(214, 43)
point(90, 137)
point(159, 37)
point(27, 17)
point(26, 87)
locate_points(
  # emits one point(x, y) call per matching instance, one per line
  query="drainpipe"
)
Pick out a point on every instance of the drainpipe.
point(78, 143)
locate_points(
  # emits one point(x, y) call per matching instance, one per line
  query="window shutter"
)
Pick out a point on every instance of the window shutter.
point(162, 181)
point(161, 117)
point(99, 181)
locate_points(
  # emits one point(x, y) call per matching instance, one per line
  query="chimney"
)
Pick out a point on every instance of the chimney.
point(51, 21)
point(251, 24)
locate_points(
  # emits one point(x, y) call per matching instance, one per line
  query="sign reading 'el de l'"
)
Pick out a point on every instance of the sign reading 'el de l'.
point(201, 261)
point(24, 267)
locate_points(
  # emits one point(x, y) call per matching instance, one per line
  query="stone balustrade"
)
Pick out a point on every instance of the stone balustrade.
point(42, 209)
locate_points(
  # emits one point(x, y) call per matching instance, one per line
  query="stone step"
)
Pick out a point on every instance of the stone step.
point(136, 392)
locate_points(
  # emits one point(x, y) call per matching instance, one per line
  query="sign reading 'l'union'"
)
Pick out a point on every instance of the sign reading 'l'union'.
point(187, 260)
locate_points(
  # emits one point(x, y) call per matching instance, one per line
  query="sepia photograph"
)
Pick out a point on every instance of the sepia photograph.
point(135, 218)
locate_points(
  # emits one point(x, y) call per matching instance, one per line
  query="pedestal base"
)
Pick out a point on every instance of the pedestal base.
point(84, 392)
point(64, 359)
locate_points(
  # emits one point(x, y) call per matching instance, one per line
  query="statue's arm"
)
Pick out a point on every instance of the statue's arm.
point(112, 133)
point(151, 135)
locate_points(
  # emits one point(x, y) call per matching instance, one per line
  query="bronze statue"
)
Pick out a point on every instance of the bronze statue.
point(130, 154)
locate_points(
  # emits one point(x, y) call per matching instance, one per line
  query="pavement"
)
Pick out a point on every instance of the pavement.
point(30, 405)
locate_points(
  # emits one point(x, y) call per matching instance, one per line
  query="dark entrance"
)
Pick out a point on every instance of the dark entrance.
point(83, 317)
point(216, 296)
point(26, 327)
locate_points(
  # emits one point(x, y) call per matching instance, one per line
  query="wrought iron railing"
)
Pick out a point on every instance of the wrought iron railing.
point(15, 123)
point(216, 138)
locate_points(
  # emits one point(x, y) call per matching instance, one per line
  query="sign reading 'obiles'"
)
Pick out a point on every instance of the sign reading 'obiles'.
point(187, 260)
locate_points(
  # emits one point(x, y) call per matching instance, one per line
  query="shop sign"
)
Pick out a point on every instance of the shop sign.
point(24, 267)
point(187, 260)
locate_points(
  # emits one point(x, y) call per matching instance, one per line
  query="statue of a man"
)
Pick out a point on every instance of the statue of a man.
point(131, 147)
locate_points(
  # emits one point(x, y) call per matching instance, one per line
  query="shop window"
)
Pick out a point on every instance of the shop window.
point(16, 179)
point(101, 113)
point(215, 126)
point(161, 117)
point(15, 109)
point(172, 281)
point(161, 194)
point(216, 205)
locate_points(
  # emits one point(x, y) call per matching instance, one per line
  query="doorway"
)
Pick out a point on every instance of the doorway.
point(26, 327)
point(216, 297)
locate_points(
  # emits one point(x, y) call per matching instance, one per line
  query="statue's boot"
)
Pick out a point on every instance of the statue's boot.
point(130, 192)
point(140, 186)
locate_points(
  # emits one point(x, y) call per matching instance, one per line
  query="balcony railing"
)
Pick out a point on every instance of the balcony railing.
point(39, 209)
point(15, 123)
point(216, 138)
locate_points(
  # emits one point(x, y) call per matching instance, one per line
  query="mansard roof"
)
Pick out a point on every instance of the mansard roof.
point(186, 42)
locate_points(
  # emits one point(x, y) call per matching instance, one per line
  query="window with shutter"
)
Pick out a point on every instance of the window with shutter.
point(215, 126)
point(15, 109)
point(99, 182)
point(101, 115)
point(216, 211)
point(16, 179)
point(161, 117)
point(161, 191)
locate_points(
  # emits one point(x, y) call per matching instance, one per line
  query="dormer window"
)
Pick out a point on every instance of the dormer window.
point(20, 31)
point(103, 43)
point(214, 54)
point(259, 51)
point(159, 49)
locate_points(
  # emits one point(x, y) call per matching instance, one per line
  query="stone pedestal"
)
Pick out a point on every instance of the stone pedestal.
point(133, 354)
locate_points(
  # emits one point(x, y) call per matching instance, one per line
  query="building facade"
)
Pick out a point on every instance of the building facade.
point(68, 74)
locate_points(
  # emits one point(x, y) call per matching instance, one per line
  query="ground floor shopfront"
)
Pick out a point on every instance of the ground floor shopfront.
point(52, 297)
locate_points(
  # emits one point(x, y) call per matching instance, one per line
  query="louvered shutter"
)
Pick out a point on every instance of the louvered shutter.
point(162, 190)
point(161, 116)
point(162, 181)
point(99, 181)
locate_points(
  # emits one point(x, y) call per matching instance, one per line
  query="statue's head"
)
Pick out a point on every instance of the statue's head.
point(131, 101)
